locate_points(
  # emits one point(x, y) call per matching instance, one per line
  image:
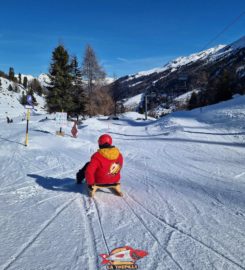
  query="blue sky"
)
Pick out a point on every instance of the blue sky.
point(128, 36)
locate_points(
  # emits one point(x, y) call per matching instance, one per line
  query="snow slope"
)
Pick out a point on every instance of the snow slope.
point(133, 102)
point(9, 101)
point(183, 182)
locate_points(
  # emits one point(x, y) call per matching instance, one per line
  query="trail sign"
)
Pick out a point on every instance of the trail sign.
point(28, 114)
point(29, 99)
point(61, 121)
point(29, 107)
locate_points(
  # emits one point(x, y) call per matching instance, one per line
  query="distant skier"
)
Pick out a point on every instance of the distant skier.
point(104, 166)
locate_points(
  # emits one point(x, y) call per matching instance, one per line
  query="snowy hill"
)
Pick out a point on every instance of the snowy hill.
point(133, 102)
point(183, 181)
point(9, 100)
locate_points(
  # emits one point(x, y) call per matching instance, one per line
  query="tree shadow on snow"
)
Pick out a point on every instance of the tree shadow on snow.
point(183, 140)
point(58, 184)
point(7, 140)
point(129, 122)
point(213, 133)
point(141, 136)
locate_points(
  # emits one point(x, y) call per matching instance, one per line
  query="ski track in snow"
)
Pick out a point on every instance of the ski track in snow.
point(171, 161)
point(151, 233)
point(174, 228)
point(37, 234)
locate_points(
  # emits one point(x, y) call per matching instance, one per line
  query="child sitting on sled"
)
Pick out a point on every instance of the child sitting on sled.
point(104, 167)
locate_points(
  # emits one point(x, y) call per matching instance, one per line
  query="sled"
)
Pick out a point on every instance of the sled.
point(115, 187)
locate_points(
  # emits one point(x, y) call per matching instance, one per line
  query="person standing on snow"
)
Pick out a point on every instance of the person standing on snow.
point(104, 166)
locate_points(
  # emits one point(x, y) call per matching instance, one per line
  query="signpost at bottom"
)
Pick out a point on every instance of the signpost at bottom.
point(28, 114)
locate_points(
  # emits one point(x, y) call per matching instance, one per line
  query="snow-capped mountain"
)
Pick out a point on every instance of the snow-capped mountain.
point(178, 62)
point(184, 74)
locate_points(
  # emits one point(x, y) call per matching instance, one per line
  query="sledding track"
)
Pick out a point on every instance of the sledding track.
point(36, 235)
point(175, 229)
point(171, 207)
point(152, 234)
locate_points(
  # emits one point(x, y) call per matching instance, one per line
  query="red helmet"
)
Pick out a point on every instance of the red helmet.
point(105, 139)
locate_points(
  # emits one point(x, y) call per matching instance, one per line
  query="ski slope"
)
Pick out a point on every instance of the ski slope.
point(183, 182)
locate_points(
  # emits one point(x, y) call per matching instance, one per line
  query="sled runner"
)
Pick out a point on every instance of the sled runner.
point(115, 187)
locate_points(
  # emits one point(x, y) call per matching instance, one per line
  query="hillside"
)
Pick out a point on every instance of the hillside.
point(9, 100)
point(200, 72)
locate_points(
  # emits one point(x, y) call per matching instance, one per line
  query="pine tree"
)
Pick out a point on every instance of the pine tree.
point(10, 87)
point(59, 98)
point(75, 71)
point(23, 99)
point(223, 88)
point(36, 87)
point(78, 93)
point(92, 73)
point(25, 82)
point(0, 84)
point(11, 74)
point(3, 74)
point(193, 102)
point(19, 76)
point(16, 88)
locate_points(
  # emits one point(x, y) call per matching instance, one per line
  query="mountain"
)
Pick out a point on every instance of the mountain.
point(199, 72)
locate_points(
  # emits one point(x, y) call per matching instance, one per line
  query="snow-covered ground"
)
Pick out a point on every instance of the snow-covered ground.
point(183, 182)
point(10, 101)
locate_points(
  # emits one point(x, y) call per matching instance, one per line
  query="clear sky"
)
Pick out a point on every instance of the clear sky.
point(127, 35)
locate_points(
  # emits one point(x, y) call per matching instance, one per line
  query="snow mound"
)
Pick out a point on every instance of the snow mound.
point(227, 114)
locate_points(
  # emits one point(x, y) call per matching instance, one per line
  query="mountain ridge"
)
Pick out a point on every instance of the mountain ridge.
point(198, 71)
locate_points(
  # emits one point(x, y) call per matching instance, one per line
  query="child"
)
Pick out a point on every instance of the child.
point(104, 166)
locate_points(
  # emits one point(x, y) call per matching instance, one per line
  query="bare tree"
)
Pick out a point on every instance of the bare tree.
point(92, 74)
point(101, 101)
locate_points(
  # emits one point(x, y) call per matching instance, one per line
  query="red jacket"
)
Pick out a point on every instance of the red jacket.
point(104, 167)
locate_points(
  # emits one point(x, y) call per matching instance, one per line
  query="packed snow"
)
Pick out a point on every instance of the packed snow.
point(183, 182)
